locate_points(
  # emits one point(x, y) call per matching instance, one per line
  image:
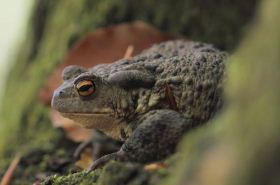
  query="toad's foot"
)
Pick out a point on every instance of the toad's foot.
point(101, 145)
point(81, 148)
point(118, 156)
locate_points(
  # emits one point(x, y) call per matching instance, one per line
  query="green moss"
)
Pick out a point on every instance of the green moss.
point(53, 158)
point(114, 173)
point(117, 173)
point(81, 178)
point(56, 25)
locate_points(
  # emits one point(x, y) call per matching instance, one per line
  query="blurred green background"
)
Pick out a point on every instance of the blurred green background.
point(13, 21)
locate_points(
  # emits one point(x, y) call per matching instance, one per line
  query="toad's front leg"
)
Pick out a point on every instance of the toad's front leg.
point(155, 138)
point(101, 145)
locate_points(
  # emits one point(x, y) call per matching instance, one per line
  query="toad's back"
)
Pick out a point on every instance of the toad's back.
point(188, 77)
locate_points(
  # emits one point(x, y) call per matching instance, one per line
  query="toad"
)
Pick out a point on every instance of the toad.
point(149, 101)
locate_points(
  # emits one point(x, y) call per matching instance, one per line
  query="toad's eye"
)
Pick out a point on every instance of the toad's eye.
point(85, 88)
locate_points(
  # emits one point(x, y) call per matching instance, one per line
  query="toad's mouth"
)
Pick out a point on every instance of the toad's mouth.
point(97, 111)
point(86, 113)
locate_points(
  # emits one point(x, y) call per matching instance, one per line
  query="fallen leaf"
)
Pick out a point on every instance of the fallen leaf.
point(154, 166)
point(8, 176)
point(129, 52)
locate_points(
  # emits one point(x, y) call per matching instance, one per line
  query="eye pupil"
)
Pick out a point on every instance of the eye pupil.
point(85, 87)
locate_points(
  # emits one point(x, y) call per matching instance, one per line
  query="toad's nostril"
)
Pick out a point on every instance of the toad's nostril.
point(61, 92)
point(58, 95)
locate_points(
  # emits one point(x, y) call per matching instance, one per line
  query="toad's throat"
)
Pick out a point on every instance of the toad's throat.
point(91, 120)
point(103, 121)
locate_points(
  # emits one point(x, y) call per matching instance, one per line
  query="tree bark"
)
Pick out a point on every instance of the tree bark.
point(241, 143)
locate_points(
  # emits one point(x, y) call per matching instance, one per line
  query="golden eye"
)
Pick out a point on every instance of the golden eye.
point(85, 87)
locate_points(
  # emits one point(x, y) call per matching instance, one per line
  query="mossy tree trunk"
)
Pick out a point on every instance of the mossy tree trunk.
point(242, 144)
point(55, 25)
